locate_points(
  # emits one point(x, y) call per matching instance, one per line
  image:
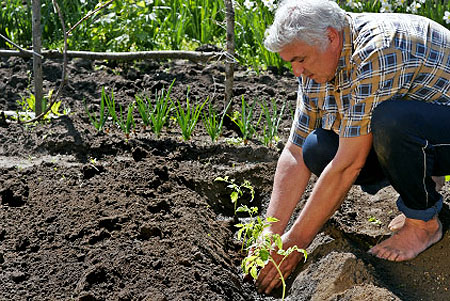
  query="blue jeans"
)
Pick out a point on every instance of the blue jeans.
point(411, 143)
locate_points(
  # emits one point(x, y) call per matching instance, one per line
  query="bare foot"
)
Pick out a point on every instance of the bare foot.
point(413, 238)
point(398, 221)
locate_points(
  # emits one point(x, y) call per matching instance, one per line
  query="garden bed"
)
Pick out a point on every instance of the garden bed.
point(89, 215)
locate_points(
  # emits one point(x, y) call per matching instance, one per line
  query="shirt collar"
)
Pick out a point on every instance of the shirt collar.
point(347, 47)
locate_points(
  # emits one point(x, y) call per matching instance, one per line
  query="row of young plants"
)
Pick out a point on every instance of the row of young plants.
point(130, 25)
point(158, 111)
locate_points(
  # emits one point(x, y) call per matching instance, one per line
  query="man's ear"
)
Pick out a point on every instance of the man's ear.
point(333, 36)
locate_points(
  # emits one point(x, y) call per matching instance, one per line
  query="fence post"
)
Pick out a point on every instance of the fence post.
point(230, 60)
point(37, 61)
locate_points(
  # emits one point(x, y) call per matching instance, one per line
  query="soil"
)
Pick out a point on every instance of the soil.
point(87, 215)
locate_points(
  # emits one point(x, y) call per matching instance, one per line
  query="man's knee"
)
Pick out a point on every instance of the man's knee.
point(319, 149)
point(388, 122)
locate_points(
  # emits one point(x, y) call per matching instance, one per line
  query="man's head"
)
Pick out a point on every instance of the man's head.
point(308, 33)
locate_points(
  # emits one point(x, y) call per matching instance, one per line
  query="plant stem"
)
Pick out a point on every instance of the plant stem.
point(281, 275)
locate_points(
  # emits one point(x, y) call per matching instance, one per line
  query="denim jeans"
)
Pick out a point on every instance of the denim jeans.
point(411, 143)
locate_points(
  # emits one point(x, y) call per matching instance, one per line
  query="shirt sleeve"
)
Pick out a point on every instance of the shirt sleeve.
point(306, 117)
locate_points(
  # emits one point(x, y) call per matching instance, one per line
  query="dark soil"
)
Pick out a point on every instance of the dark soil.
point(93, 216)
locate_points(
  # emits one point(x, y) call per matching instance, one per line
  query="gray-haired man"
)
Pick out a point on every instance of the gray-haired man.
point(373, 107)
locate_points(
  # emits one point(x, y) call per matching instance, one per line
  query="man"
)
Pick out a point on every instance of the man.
point(373, 108)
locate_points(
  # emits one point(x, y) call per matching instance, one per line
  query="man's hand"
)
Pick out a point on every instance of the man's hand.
point(268, 277)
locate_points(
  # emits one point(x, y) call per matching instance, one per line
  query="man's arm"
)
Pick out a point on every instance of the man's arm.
point(291, 178)
point(327, 196)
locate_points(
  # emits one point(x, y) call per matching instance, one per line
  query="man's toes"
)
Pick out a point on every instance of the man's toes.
point(377, 251)
point(394, 255)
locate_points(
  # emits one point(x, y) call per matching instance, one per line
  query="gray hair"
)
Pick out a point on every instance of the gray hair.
point(306, 21)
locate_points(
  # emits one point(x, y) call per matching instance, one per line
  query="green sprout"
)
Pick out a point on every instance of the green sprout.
point(155, 115)
point(212, 123)
point(187, 117)
point(125, 122)
point(28, 104)
point(238, 190)
point(99, 122)
point(273, 119)
point(244, 120)
point(259, 245)
point(374, 220)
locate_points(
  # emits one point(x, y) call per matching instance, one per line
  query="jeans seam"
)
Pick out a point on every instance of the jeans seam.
point(425, 171)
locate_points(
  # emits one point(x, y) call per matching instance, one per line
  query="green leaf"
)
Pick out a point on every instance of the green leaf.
point(272, 219)
point(279, 243)
point(243, 208)
point(234, 196)
point(254, 272)
point(260, 262)
point(264, 254)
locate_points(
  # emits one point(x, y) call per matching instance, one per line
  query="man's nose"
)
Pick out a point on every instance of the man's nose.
point(297, 68)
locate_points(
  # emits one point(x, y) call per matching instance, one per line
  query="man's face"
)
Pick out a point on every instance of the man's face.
point(311, 61)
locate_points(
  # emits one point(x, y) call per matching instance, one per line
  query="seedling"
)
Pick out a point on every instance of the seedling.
point(99, 122)
point(187, 117)
point(238, 191)
point(244, 120)
point(270, 128)
point(259, 245)
point(374, 220)
point(212, 125)
point(28, 105)
point(155, 115)
point(124, 122)
point(291, 109)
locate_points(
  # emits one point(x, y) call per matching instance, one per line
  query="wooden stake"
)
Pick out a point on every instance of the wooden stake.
point(37, 61)
point(230, 61)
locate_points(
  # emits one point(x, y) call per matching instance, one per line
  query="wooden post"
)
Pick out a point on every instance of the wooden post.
point(230, 60)
point(37, 61)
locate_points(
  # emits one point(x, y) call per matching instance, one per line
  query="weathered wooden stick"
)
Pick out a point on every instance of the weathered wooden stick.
point(195, 56)
point(20, 48)
point(64, 72)
point(229, 66)
point(37, 60)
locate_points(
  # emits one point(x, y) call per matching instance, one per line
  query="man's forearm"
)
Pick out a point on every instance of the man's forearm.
point(328, 194)
point(291, 178)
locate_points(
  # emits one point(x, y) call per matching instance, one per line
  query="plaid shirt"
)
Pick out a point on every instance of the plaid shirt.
point(397, 56)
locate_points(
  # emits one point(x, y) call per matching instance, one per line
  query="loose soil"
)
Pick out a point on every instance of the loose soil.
point(93, 216)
